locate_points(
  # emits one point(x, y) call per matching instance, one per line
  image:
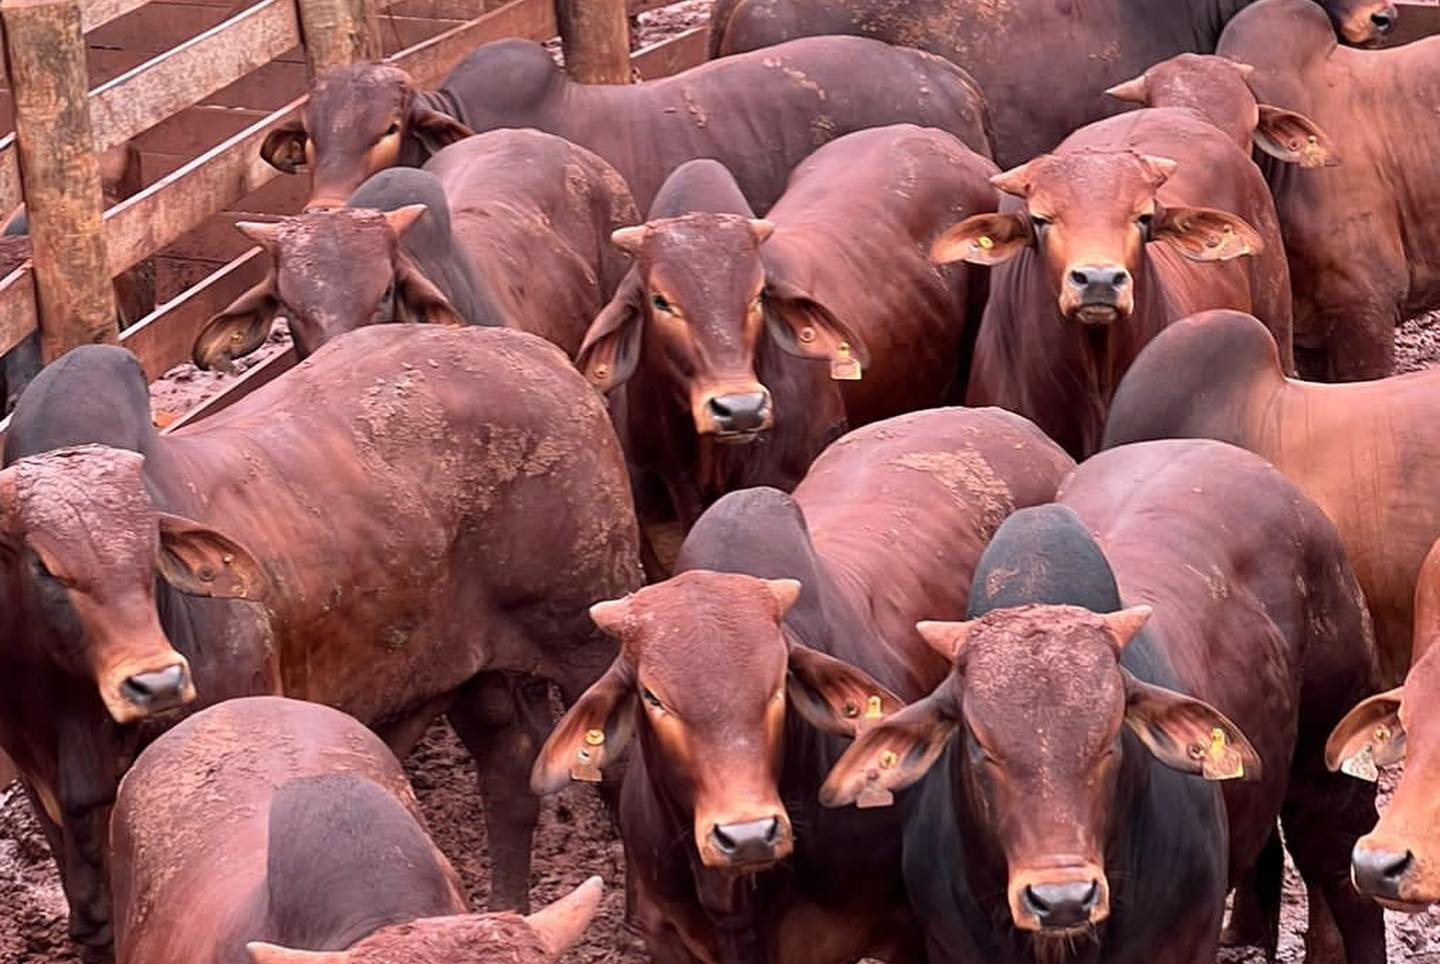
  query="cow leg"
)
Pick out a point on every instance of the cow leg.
point(1255, 918)
point(1323, 817)
point(503, 721)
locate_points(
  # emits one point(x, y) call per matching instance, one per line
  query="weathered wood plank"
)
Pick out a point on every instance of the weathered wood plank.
point(595, 35)
point(95, 13)
point(429, 61)
point(17, 307)
point(138, 100)
point(680, 52)
point(45, 57)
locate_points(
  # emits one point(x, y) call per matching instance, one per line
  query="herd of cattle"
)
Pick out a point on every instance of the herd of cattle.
point(859, 672)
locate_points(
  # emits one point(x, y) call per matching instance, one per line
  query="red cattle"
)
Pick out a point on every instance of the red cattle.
point(1363, 239)
point(271, 831)
point(758, 114)
point(715, 347)
point(1082, 288)
point(1064, 820)
point(457, 243)
point(789, 628)
point(426, 512)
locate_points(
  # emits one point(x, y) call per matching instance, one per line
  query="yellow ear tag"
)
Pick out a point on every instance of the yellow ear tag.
point(844, 367)
point(586, 768)
point(1222, 761)
point(873, 710)
point(986, 242)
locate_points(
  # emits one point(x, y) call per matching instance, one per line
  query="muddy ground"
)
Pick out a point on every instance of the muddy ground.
point(575, 838)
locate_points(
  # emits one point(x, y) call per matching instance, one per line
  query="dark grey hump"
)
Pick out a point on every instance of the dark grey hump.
point(505, 83)
point(91, 394)
point(1043, 556)
point(700, 186)
point(346, 858)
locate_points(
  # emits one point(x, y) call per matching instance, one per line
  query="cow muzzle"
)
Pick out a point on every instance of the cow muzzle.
point(1371, 24)
point(1097, 294)
point(136, 689)
point(735, 415)
point(748, 845)
point(1385, 872)
point(1060, 901)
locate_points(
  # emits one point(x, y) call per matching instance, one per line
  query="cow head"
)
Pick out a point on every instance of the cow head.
point(540, 938)
point(694, 309)
point(82, 545)
point(1088, 215)
point(360, 118)
point(1398, 863)
point(1040, 699)
point(332, 271)
point(1363, 23)
point(1218, 89)
point(706, 673)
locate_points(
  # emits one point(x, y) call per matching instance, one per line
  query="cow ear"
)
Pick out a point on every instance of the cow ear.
point(611, 348)
point(1370, 736)
point(1204, 234)
point(239, 329)
point(592, 734)
point(261, 953)
point(435, 130)
point(834, 696)
point(284, 147)
point(1294, 138)
point(1187, 734)
point(199, 561)
point(803, 326)
point(985, 239)
point(420, 298)
point(892, 754)
point(561, 924)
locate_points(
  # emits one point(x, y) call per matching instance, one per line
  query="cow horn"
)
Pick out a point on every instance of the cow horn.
point(1246, 70)
point(263, 233)
point(785, 591)
point(1126, 624)
point(946, 638)
point(630, 239)
point(1134, 91)
point(402, 219)
point(1159, 168)
point(611, 614)
point(762, 229)
point(560, 924)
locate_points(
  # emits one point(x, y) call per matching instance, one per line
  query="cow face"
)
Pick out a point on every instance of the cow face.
point(1362, 22)
point(360, 118)
point(1088, 215)
point(331, 272)
point(693, 310)
point(81, 545)
point(540, 938)
point(1397, 863)
point(1218, 89)
point(1039, 698)
point(706, 673)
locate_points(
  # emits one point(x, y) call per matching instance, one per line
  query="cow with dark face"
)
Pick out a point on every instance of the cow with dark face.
point(1071, 811)
point(1133, 223)
point(1088, 47)
point(758, 114)
point(788, 629)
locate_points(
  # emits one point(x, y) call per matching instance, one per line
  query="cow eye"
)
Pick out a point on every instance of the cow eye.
point(651, 698)
point(660, 303)
point(393, 129)
point(1040, 224)
point(1145, 221)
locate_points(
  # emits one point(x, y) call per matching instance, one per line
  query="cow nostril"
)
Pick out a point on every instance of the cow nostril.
point(1063, 904)
point(1384, 20)
point(1380, 872)
point(160, 686)
point(1080, 277)
point(723, 841)
point(1033, 902)
point(772, 833)
point(1092, 896)
point(1120, 279)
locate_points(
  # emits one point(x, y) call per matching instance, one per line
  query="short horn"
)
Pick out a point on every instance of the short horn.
point(562, 923)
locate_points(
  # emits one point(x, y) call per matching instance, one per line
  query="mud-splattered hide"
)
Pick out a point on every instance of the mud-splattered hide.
point(1089, 216)
point(694, 309)
point(82, 546)
point(1216, 89)
point(713, 740)
point(360, 118)
point(1038, 699)
point(332, 271)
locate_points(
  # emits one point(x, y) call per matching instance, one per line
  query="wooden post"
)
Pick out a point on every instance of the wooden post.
point(339, 32)
point(595, 35)
point(59, 173)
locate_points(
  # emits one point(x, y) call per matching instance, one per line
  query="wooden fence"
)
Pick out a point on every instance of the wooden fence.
point(49, 162)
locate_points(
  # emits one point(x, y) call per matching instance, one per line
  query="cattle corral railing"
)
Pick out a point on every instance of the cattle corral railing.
point(49, 163)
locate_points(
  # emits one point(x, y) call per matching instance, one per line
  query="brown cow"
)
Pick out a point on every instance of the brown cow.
point(1398, 863)
point(1081, 288)
point(271, 831)
point(1065, 822)
point(758, 114)
point(1363, 239)
point(699, 345)
point(743, 682)
point(431, 510)
point(461, 242)
point(1041, 63)
point(1368, 454)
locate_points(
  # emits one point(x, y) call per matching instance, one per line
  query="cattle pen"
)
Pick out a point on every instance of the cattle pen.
point(196, 85)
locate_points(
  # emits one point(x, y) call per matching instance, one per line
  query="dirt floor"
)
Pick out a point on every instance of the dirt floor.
point(575, 838)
